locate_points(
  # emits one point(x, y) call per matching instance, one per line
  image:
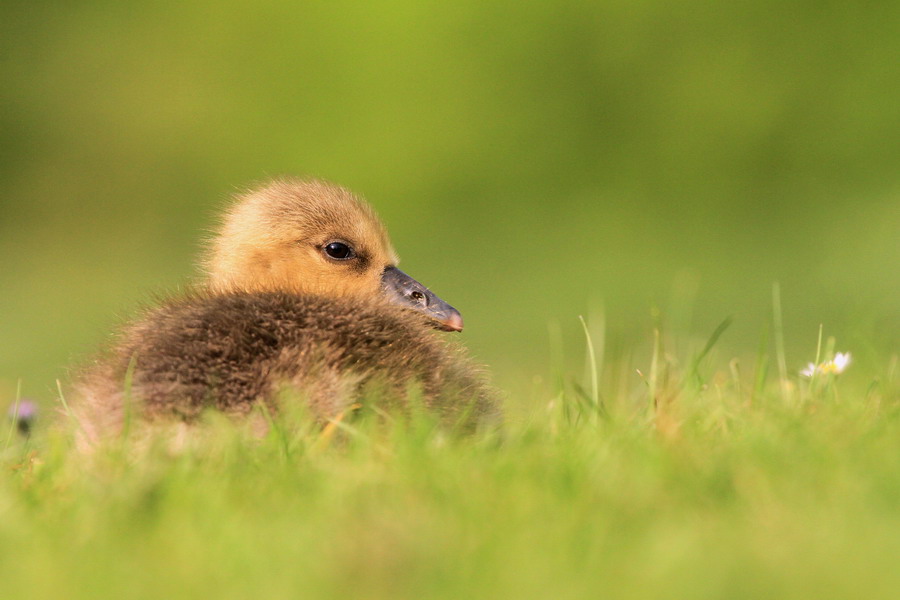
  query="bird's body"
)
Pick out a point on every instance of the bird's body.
point(280, 313)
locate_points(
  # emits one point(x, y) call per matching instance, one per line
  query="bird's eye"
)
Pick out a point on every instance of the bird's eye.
point(339, 251)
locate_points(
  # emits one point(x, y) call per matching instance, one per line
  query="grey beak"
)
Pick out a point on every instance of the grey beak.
point(402, 289)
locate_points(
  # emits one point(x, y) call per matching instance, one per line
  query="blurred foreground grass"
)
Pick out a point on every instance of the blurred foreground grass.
point(699, 479)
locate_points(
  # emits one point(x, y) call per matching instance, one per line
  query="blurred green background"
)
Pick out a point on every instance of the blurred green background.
point(534, 161)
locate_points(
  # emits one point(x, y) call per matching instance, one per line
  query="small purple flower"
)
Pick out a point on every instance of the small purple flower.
point(25, 413)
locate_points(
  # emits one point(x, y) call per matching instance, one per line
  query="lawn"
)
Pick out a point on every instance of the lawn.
point(679, 476)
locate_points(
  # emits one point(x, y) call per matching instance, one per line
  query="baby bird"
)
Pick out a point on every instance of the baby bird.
point(302, 295)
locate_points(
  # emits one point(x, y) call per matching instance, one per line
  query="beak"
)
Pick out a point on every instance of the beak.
point(402, 289)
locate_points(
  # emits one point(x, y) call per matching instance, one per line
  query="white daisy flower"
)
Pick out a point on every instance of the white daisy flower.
point(835, 366)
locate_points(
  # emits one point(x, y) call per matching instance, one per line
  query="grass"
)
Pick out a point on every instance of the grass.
point(694, 479)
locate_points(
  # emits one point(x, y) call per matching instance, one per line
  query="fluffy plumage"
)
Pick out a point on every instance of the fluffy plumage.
point(278, 313)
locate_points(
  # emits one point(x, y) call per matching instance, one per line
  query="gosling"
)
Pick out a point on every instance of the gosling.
point(301, 299)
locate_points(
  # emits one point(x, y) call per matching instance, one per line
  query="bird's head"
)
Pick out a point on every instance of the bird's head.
point(311, 237)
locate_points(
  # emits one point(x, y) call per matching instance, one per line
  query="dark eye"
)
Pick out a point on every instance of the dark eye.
point(339, 251)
